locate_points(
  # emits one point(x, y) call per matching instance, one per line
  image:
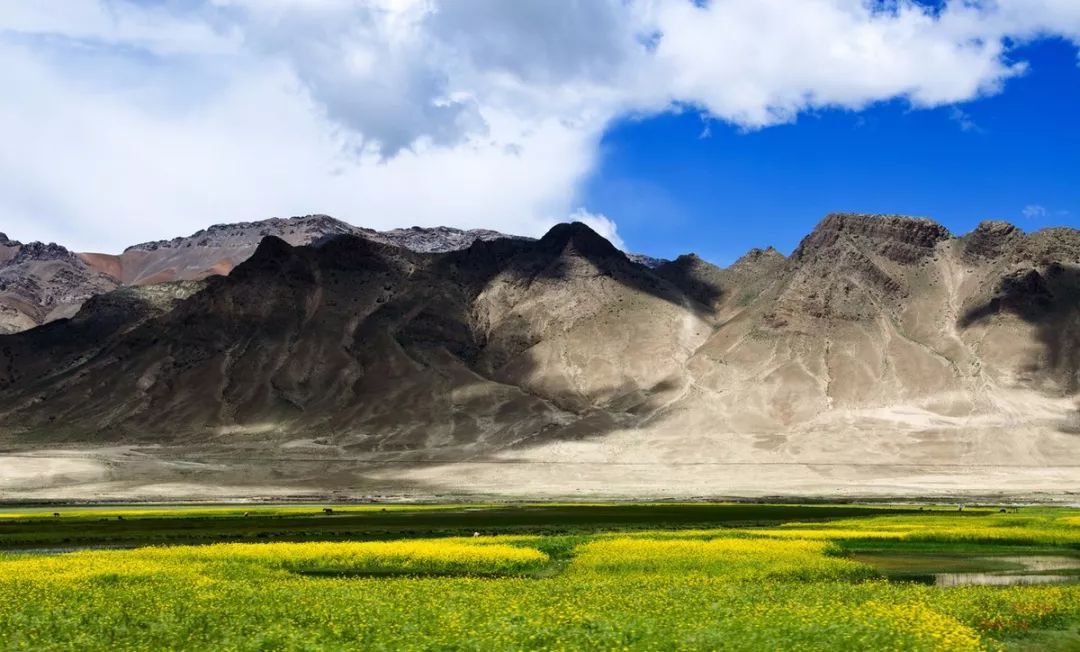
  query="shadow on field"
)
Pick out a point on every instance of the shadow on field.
point(374, 523)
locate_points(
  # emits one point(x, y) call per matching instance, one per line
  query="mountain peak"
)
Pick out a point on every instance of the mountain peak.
point(43, 251)
point(990, 239)
point(438, 239)
point(585, 240)
point(301, 229)
point(898, 237)
point(272, 247)
point(881, 224)
point(757, 255)
point(274, 256)
point(996, 226)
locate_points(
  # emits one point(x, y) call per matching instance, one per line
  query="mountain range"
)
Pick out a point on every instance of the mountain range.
point(42, 282)
point(884, 356)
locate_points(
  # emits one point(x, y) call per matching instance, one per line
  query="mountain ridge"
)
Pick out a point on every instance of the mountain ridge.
point(214, 250)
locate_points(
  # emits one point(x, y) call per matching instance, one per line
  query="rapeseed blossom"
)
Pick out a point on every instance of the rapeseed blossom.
point(787, 587)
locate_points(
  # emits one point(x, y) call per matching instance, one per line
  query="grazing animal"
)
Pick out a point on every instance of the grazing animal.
point(327, 510)
point(56, 513)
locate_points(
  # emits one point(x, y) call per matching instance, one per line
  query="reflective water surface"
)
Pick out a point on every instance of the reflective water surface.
point(956, 570)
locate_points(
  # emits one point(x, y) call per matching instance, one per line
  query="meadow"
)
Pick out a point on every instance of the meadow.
point(738, 577)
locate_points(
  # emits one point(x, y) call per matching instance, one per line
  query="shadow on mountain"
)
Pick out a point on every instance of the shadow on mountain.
point(1049, 299)
point(574, 250)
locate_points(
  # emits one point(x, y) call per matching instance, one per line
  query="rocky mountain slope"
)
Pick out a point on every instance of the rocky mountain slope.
point(48, 282)
point(885, 356)
point(34, 294)
point(219, 248)
point(43, 282)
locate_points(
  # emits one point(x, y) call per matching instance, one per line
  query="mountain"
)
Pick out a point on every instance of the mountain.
point(42, 293)
point(218, 249)
point(43, 282)
point(885, 356)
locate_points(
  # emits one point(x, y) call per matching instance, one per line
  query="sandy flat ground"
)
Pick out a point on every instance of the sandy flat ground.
point(903, 451)
point(627, 464)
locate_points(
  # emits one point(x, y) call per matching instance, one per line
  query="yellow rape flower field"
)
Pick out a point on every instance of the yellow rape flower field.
point(790, 586)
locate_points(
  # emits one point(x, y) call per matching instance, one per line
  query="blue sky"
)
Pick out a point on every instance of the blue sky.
point(132, 120)
point(676, 189)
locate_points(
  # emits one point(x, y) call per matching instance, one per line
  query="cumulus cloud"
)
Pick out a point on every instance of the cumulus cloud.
point(370, 66)
point(115, 172)
point(821, 53)
point(126, 120)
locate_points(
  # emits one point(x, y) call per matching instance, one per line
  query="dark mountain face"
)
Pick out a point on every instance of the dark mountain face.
point(881, 339)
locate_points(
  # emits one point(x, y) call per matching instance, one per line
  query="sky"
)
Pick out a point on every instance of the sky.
point(718, 189)
point(669, 126)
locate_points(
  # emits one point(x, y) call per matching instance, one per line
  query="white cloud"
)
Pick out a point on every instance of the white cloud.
point(761, 62)
point(126, 121)
point(1033, 211)
point(964, 120)
point(111, 173)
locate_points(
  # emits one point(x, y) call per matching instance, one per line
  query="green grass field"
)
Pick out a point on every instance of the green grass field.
point(569, 577)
